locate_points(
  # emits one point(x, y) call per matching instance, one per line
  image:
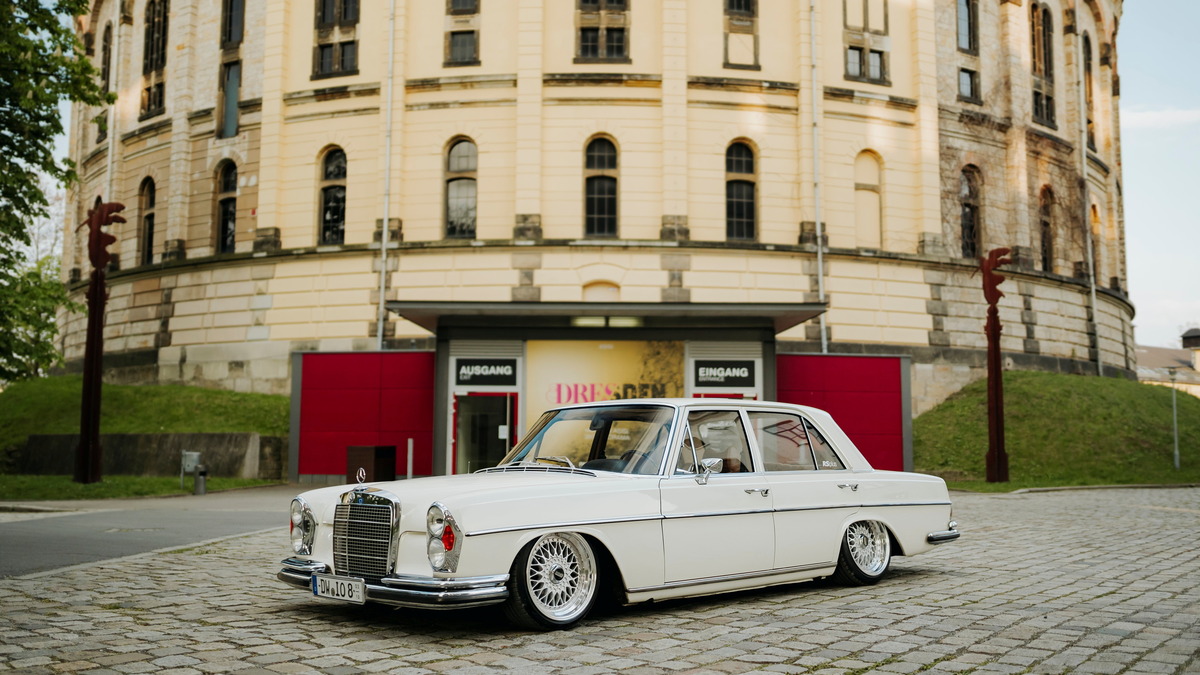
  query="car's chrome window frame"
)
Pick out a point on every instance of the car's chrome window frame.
point(806, 419)
point(534, 433)
point(685, 428)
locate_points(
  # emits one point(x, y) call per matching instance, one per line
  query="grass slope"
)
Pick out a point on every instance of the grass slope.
point(51, 406)
point(1062, 430)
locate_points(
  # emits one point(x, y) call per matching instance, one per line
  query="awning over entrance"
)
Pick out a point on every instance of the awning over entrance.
point(777, 316)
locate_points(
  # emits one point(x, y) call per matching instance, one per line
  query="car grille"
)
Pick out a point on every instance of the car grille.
point(362, 539)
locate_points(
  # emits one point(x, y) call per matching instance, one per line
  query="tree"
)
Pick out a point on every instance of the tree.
point(41, 64)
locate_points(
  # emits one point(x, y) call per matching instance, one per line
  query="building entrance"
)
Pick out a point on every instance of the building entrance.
point(484, 429)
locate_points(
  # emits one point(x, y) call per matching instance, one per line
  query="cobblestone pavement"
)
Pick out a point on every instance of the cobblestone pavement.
point(1090, 581)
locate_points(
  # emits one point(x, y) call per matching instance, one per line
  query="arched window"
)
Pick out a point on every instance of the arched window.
point(868, 202)
point(972, 222)
point(106, 57)
point(1087, 90)
point(1046, 226)
point(154, 59)
point(333, 197)
point(1041, 30)
point(226, 230)
point(461, 190)
point(740, 200)
point(146, 211)
point(600, 189)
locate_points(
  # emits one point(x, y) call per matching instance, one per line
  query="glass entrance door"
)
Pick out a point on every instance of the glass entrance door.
point(484, 429)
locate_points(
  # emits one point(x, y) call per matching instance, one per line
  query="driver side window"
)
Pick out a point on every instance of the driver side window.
point(715, 433)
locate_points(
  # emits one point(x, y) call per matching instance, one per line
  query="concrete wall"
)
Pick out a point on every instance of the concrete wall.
point(237, 455)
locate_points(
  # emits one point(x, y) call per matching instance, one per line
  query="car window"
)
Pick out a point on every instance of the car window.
point(783, 441)
point(715, 433)
point(822, 450)
point(623, 439)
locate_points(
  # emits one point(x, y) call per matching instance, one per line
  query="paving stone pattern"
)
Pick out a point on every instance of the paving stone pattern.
point(1090, 581)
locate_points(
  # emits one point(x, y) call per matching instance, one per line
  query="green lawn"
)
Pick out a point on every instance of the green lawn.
point(36, 488)
point(1062, 430)
point(51, 406)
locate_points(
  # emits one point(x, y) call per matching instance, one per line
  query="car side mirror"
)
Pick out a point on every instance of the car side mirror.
point(709, 466)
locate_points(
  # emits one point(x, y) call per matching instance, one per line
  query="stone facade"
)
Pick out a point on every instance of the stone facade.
point(877, 160)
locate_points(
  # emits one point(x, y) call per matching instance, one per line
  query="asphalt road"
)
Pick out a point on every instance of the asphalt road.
point(61, 534)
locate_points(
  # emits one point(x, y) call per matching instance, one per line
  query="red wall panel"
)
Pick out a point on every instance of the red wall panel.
point(365, 399)
point(863, 393)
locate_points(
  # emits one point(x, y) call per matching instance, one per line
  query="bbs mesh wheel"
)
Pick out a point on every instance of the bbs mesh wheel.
point(865, 555)
point(553, 582)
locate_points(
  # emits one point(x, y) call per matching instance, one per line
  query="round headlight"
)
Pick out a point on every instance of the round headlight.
point(297, 515)
point(435, 520)
point(437, 553)
point(303, 527)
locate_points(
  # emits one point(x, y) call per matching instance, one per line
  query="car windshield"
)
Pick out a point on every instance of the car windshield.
point(622, 439)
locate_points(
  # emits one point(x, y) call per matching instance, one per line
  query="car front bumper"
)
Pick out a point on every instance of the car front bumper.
point(410, 590)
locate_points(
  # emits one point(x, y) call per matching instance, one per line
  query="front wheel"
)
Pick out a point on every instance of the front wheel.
point(866, 554)
point(553, 582)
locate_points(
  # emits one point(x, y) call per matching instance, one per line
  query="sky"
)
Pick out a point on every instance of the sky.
point(1160, 148)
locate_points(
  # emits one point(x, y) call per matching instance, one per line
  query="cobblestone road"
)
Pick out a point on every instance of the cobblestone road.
point(1093, 581)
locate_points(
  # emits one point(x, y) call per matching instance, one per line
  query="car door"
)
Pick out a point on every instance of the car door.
point(720, 524)
point(812, 491)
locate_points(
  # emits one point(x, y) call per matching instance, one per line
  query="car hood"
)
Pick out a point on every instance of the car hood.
point(500, 498)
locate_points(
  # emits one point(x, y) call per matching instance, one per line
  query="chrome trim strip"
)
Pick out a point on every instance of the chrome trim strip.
point(907, 504)
point(301, 565)
point(735, 577)
point(525, 468)
point(417, 591)
point(716, 514)
point(577, 523)
point(818, 508)
point(942, 537)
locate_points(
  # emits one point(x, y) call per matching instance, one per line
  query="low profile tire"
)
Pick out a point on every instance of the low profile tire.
point(553, 582)
point(866, 554)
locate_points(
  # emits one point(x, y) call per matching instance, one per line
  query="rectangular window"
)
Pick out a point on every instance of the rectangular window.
point(603, 31)
point(231, 82)
point(231, 23)
point(783, 441)
point(614, 43)
point(464, 6)
point(326, 13)
point(464, 48)
point(968, 85)
point(348, 56)
point(349, 13)
point(875, 69)
point(854, 62)
point(968, 26)
point(324, 65)
point(589, 43)
point(740, 7)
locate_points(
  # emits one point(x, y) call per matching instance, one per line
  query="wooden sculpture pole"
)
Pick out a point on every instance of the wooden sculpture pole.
point(88, 456)
point(997, 458)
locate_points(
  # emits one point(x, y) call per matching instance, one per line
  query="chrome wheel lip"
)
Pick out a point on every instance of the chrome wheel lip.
point(561, 576)
point(870, 547)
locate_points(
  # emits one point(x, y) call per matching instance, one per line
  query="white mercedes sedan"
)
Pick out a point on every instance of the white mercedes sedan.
point(632, 500)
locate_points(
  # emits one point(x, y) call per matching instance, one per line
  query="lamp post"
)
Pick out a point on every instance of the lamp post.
point(1173, 372)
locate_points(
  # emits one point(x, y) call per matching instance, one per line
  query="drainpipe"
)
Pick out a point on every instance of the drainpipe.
point(114, 72)
point(816, 152)
point(387, 174)
point(1087, 210)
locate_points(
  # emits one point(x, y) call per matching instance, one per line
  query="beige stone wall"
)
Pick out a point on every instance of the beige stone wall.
point(894, 279)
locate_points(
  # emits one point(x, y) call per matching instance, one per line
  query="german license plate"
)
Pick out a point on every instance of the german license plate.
point(345, 589)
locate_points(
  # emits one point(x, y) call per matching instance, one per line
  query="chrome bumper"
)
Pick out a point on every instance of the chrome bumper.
point(949, 534)
point(408, 590)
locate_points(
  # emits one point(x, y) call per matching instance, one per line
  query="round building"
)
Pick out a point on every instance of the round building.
point(454, 215)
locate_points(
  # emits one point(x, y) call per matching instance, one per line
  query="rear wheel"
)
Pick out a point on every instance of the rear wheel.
point(865, 555)
point(553, 582)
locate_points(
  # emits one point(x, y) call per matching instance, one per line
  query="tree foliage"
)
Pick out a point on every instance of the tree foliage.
point(41, 64)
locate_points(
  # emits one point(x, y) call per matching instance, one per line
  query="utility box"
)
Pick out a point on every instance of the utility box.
point(188, 464)
point(378, 463)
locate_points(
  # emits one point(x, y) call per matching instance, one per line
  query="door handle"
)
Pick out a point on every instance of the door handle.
point(853, 486)
point(762, 491)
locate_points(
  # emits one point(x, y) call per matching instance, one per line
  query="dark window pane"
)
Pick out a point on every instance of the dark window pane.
point(460, 208)
point(739, 6)
point(464, 6)
point(462, 47)
point(227, 231)
point(228, 182)
point(966, 25)
point(589, 43)
point(614, 43)
point(349, 12)
point(349, 56)
point(148, 239)
point(324, 59)
point(966, 84)
point(333, 214)
point(462, 157)
point(231, 22)
point(325, 12)
point(230, 93)
point(875, 65)
point(739, 209)
point(739, 158)
point(854, 65)
point(601, 155)
point(148, 197)
point(335, 165)
point(600, 207)
point(589, 5)
point(615, 4)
